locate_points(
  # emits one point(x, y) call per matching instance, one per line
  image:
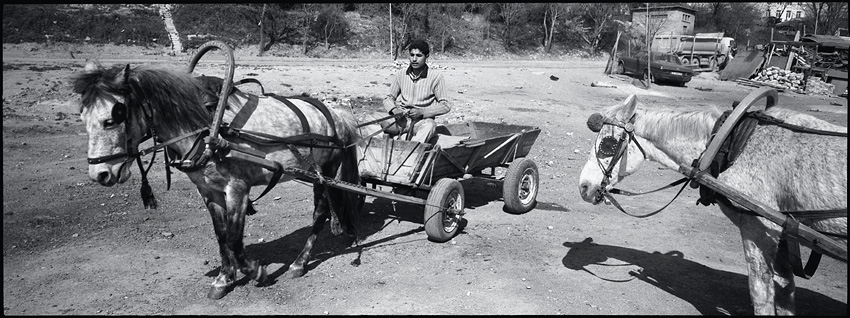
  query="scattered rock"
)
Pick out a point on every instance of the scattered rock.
point(168, 234)
point(602, 84)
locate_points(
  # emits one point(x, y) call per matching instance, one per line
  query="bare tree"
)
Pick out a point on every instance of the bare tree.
point(826, 17)
point(742, 16)
point(512, 15)
point(404, 15)
point(275, 23)
point(591, 20)
point(444, 18)
point(309, 12)
point(552, 11)
point(330, 24)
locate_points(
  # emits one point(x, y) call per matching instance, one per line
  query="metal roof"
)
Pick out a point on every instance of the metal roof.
point(841, 42)
point(665, 8)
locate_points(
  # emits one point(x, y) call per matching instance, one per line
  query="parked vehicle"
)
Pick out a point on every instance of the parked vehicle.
point(703, 50)
point(665, 67)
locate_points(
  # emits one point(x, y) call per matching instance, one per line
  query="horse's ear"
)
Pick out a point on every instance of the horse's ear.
point(123, 76)
point(91, 66)
point(629, 106)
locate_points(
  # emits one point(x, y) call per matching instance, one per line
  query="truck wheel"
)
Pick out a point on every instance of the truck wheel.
point(695, 62)
point(685, 61)
point(620, 69)
point(520, 186)
point(443, 210)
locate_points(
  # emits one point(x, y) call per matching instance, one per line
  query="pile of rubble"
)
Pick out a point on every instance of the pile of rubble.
point(816, 85)
point(780, 78)
point(787, 80)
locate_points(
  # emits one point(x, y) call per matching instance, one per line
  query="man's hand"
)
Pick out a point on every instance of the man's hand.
point(398, 111)
point(415, 113)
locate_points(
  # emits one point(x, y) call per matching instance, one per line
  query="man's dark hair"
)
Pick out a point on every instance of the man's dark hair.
point(421, 45)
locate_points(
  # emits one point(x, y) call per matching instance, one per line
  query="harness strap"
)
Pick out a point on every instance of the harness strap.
point(628, 193)
point(278, 172)
point(614, 201)
point(765, 119)
point(298, 140)
point(305, 126)
point(789, 245)
point(324, 109)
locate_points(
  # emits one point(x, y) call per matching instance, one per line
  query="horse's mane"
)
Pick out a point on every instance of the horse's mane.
point(174, 98)
point(666, 124)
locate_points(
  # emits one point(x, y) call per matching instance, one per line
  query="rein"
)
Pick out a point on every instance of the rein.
point(595, 123)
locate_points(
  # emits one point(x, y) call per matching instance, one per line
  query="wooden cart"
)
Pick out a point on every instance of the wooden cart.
point(459, 150)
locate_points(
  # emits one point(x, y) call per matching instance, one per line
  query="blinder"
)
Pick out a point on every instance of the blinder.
point(607, 148)
point(119, 113)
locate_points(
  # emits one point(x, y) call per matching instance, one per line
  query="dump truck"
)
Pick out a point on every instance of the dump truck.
point(702, 51)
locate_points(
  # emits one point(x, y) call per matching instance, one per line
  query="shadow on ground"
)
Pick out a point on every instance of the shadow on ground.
point(710, 291)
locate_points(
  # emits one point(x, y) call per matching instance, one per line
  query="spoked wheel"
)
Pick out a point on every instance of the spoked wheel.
point(520, 186)
point(444, 210)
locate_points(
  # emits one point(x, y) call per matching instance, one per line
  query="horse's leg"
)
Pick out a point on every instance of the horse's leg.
point(237, 203)
point(784, 284)
point(760, 249)
point(215, 203)
point(320, 215)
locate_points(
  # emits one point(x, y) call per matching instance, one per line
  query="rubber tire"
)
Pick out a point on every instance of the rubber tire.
point(522, 176)
point(685, 61)
point(447, 192)
point(695, 62)
point(620, 69)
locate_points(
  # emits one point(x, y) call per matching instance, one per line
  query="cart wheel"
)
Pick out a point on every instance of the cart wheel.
point(520, 186)
point(443, 210)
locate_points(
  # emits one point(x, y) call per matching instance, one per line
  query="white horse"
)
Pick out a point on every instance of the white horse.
point(784, 169)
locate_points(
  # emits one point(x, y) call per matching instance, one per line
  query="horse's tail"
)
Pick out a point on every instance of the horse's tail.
point(349, 203)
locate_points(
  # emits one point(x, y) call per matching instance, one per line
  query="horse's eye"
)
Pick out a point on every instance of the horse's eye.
point(110, 123)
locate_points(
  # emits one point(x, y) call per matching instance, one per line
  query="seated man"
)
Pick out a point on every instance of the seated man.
point(418, 92)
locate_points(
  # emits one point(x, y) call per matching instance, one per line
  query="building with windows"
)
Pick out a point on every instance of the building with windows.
point(673, 20)
point(785, 11)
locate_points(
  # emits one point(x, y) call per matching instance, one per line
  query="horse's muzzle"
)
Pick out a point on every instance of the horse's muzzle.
point(590, 193)
point(109, 175)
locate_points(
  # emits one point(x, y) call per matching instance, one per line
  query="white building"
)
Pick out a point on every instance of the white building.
point(783, 10)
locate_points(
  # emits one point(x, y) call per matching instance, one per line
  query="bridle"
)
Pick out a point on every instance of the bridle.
point(121, 116)
point(616, 149)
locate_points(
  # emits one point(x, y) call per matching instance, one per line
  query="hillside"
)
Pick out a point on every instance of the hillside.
point(143, 25)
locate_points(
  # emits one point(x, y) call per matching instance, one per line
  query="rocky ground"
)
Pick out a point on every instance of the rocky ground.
point(73, 247)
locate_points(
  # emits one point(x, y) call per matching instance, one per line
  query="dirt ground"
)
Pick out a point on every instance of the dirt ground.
point(73, 247)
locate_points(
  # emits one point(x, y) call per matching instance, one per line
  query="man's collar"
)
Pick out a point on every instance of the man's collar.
point(424, 71)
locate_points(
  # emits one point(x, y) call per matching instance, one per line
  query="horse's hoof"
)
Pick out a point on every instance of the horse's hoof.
point(294, 273)
point(217, 293)
point(262, 276)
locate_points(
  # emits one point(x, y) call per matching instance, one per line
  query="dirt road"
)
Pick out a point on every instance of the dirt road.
point(73, 247)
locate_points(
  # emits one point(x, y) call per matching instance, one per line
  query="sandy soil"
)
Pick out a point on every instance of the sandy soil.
point(73, 247)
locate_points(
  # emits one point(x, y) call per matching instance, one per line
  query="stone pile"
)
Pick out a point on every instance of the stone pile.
point(778, 77)
point(816, 85)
